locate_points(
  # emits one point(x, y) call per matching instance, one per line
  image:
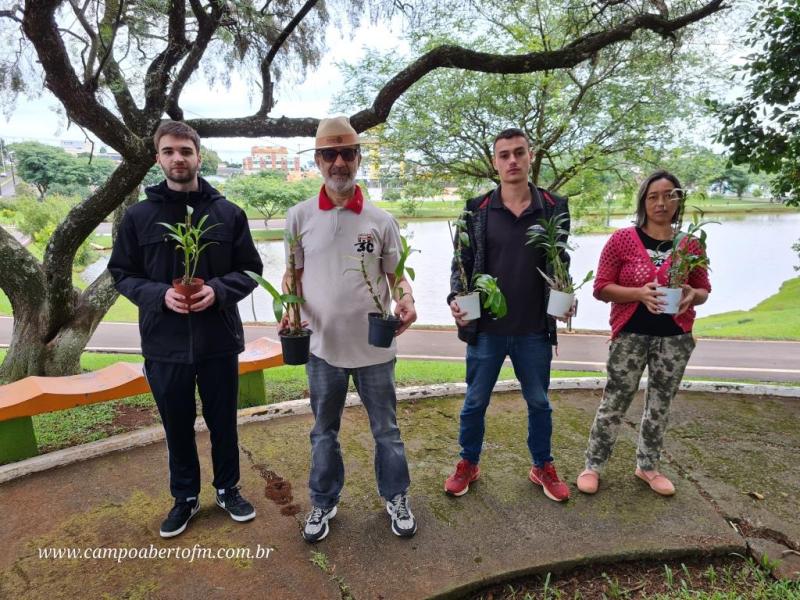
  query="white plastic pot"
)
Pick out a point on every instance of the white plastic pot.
point(471, 304)
point(671, 299)
point(559, 303)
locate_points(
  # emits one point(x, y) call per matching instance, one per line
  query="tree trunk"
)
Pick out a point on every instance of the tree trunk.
point(34, 351)
point(49, 340)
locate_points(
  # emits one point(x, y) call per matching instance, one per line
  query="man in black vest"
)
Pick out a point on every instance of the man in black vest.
point(497, 225)
point(187, 344)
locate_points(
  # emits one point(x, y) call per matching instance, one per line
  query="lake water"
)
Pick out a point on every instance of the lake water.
point(750, 257)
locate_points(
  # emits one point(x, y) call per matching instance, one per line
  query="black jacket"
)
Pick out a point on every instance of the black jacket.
point(473, 256)
point(144, 262)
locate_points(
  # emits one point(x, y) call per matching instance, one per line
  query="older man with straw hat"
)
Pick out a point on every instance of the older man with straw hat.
point(333, 228)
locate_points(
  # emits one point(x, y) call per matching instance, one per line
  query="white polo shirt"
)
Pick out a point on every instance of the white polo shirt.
point(337, 298)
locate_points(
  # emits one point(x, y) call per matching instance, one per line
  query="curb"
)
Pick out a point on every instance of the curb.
point(582, 561)
point(151, 435)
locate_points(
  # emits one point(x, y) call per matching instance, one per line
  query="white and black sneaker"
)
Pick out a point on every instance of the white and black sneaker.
point(316, 527)
point(403, 522)
point(237, 507)
point(178, 517)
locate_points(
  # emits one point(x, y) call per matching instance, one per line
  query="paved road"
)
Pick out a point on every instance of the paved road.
point(6, 187)
point(727, 359)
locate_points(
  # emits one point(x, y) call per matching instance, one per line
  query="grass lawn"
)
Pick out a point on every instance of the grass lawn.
point(261, 235)
point(776, 318)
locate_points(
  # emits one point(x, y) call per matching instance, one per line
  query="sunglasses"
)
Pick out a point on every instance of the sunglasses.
point(330, 154)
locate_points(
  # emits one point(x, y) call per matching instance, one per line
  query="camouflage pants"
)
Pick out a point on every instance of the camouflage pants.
point(665, 358)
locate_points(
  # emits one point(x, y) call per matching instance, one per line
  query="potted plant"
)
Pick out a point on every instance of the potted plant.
point(295, 339)
point(383, 324)
point(188, 238)
point(551, 236)
point(481, 287)
point(683, 260)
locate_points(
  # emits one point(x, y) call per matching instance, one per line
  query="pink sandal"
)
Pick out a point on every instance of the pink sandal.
point(588, 481)
point(657, 482)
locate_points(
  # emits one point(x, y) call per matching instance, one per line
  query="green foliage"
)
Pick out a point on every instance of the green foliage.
point(52, 170)
point(210, 161)
point(551, 236)
point(188, 238)
point(683, 260)
point(597, 115)
point(392, 194)
point(269, 192)
point(153, 177)
point(39, 219)
point(290, 301)
point(460, 237)
point(408, 207)
point(493, 299)
point(762, 127)
point(696, 167)
point(734, 179)
point(401, 271)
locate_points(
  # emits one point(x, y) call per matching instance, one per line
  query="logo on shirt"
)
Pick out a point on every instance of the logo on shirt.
point(659, 257)
point(365, 243)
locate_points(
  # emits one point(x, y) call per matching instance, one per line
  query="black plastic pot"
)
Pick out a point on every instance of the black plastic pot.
point(381, 331)
point(295, 347)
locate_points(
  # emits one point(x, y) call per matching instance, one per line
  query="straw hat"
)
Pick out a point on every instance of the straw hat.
point(335, 132)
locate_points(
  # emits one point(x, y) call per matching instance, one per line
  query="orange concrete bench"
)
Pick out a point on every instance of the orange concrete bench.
point(21, 400)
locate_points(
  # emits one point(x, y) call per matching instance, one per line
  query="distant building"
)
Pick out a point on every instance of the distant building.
point(270, 158)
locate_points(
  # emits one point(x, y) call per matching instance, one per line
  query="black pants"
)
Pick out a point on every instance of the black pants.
point(173, 387)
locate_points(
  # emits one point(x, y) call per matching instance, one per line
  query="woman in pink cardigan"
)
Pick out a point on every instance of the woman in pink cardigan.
point(634, 262)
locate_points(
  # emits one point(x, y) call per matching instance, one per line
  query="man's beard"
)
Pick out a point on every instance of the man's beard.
point(190, 175)
point(340, 182)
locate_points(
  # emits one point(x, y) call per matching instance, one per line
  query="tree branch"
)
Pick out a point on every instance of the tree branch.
point(40, 28)
point(79, 223)
point(208, 26)
point(156, 80)
point(21, 275)
point(12, 13)
point(456, 57)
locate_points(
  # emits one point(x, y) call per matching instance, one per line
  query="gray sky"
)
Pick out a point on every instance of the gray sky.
point(38, 119)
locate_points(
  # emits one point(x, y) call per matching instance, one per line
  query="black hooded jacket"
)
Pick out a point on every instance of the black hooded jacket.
point(473, 257)
point(144, 262)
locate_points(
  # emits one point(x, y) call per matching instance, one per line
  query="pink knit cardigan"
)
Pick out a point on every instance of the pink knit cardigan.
point(624, 261)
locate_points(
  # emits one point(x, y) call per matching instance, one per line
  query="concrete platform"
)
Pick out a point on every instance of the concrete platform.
point(720, 448)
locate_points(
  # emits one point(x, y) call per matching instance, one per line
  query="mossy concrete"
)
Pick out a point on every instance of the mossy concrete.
point(503, 527)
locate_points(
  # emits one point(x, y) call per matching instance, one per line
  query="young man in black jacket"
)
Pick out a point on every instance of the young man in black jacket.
point(497, 225)
point(186, 344)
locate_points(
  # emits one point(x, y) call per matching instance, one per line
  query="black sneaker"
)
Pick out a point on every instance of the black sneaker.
point(317, 527)
point(237, 507)
point(403, 522)
point(178, 517)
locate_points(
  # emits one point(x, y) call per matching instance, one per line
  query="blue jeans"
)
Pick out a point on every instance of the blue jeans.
point(375, 386)
point(531, 355)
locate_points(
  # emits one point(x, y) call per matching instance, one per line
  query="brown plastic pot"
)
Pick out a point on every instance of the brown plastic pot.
point(188, 290)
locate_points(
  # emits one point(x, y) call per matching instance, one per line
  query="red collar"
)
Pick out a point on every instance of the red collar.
point(356, 203)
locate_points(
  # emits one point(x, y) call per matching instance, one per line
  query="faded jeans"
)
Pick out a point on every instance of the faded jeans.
point(530, 355)
point(375, 386)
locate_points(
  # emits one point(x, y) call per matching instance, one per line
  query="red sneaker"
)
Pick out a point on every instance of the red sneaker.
point(458, 483)
point(553, 487)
